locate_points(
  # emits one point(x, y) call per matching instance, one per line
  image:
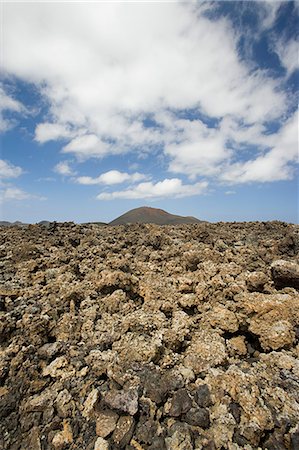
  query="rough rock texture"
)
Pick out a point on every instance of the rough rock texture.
point(147, 337)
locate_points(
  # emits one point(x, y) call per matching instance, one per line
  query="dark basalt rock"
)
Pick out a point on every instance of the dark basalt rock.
point(180, 403)
point(203, 396)
point(199, 417)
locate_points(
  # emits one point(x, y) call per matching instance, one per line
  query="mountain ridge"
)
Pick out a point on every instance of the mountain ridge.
point(143, 214)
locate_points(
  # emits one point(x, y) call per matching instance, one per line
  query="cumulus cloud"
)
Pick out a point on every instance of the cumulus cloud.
point(64, 168)
point(8, 170)
point(8, 104)
point(45, 132)
point(172, 187)
point(118, 78)
point(112, 177)
point(99, 72)
point(86, 146)
point(272, 165)
point(14, 193)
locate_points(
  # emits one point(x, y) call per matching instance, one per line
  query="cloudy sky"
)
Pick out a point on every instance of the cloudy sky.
point(186, 106)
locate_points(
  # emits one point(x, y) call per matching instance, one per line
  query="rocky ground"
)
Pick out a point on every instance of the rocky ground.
point(146, 337)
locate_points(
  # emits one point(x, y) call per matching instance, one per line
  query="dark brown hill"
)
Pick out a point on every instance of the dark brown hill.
point(146, 214)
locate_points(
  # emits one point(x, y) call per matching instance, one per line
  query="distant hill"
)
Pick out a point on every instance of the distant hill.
point(5, 223)
point(146, 214)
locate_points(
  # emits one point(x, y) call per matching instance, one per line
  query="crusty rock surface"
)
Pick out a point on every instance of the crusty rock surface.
point(147, 337)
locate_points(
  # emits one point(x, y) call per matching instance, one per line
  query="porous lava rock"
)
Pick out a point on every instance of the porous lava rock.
point(147, 337)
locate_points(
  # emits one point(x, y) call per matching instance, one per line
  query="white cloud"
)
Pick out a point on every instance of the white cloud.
point(8, 170)
point(86, 146)
point(64, 168)
point(112, 177)
point(288, 53)
point(14, 193)
point(8, 104)
point(272, 165)
point(195, 149)
point(105, 68)
point(106, 64)
point(163, 189)
point(45, 132)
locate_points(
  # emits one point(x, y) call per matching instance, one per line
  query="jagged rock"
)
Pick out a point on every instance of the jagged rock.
point(101, 444)
point(56, 368)
point(256, 281)
point(63, 403)
point(285, 273)
point(146, 431)
point(125, 401)
point(180, 438)
point(64, 437)
point(198, 416)
point(273, 335)
point(90, 403)
point(203, 396)
point(237, 346)
point(146, 338)
point(155, 386)
point(220, 317)
point(106, 423)
point(180, 403)
point(206, 350)
point(123, 431)
point(47, 351)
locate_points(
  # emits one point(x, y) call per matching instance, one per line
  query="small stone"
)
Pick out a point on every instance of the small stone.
point(180, 403)
point(64, 437)
point(235, 410)
point(125, 401)
point(90, 402)
point(223, 318)
point(157, 444)
point(62, 403)
point(47, 351)
point(180, 438)
point(39, 402)
point(203, 396)
point(55, 368)
point(256, 281)
point(146, 431)
point(207, 349)
point(198, 416)
point(34, 439)
point(155, 387)
point(123, 431)
point(237, 346)
point(285, 273)
point(101, 444)
point(106, 423)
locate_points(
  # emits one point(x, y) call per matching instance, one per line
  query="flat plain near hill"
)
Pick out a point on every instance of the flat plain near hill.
point(147, 337)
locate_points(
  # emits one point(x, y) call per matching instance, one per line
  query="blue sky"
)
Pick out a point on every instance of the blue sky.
point(188, 106)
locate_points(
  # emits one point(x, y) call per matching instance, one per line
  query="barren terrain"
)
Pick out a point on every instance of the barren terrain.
point(147, 337)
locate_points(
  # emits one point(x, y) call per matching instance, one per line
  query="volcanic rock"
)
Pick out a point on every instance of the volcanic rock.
point(142, 337)
point(285, 273)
